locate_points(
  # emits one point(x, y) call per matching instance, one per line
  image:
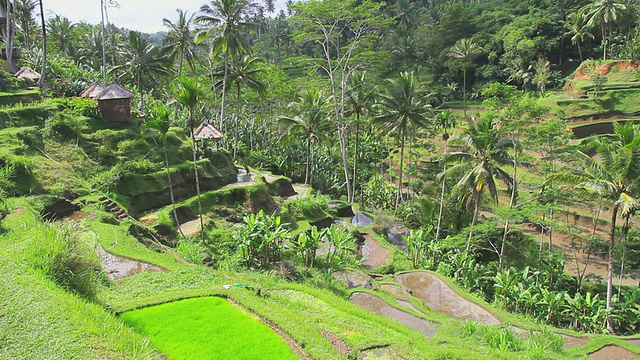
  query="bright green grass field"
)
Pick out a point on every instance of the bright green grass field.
point(206, 328)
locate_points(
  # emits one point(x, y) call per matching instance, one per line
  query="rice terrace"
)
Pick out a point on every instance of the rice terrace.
point(322, 179)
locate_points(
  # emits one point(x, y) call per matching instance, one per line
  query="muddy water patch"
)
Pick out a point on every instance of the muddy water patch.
point(118, 267)
point(573, 341)
point(354, 278)
point(376, 304)
point(395, 234)
point(441, 298)
point(372, 253)
point(361, 220)
point(633, 342)
point(613, 352)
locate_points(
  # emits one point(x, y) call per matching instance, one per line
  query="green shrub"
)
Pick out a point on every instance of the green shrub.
point(191, 251)
point(60, 255)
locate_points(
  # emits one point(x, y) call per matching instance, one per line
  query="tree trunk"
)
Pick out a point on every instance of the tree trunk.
point(399, 195)
point(473, 223)
point(224, 90)
point(9, 37)
point(103, 6)
point(345, 162)
point(355, 156)
point(464, 91)
point(441, 194)
point(612, 238)
point(195, 171)
point(306, 174)
point(173, 199)
point(44, 49)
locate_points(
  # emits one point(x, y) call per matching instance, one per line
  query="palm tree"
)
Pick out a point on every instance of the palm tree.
point(143, 63)
point(614, 174)
point(190, 96)
point(24, 14)
point(243, 72)
point(576, 27)
point(360, 95)
point(478, 166)
point(465, 50)
point(160, 124)
point(223, 22)
point(309, 121)
point(179, 40)
point(60, 28)
point(402, 106)
point(603, 13)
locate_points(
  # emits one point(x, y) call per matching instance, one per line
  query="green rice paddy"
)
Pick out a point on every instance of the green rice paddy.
point(207, 328)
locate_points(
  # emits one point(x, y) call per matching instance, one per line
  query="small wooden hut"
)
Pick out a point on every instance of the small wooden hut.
point(115, 103)
point(28, 73)
point(93, 90)
point(207, 132)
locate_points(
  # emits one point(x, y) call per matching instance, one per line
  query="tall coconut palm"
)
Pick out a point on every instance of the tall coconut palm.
point(478, 166)
point(143, 63)
point(603, 13)
point(465, 50)
point(576, 28)
point(160, 123)
point(614, 174)
point(360, 97)
point(60, 30)
point(223, 23)
point(180, 40)
point(310, 122)
point(243, 71)
point(401, 107)
point(24, 16)
point(190, 96)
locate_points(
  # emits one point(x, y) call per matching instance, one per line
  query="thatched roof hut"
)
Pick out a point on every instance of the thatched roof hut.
point(28, 73)
point(208, 132)
point(93, 90)
point(115, 103)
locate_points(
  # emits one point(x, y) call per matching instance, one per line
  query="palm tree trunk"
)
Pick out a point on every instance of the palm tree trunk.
point(464, 91)
point(473, 223)
point(442, 194)
point(345, 162)
point(399, 196)
point(44, 48)
point(173, 199)
point(195, 171)
point(306, 174)
point(355, 155)
point(612, 237)
point(104, 44)
point(224, 90)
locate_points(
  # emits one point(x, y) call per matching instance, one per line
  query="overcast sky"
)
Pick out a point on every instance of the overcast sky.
point(141, 15)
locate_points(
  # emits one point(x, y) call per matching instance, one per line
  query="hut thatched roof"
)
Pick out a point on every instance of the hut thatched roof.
point(28, 73)
point(93, 90)
point(114, 91)
point(207, 131)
